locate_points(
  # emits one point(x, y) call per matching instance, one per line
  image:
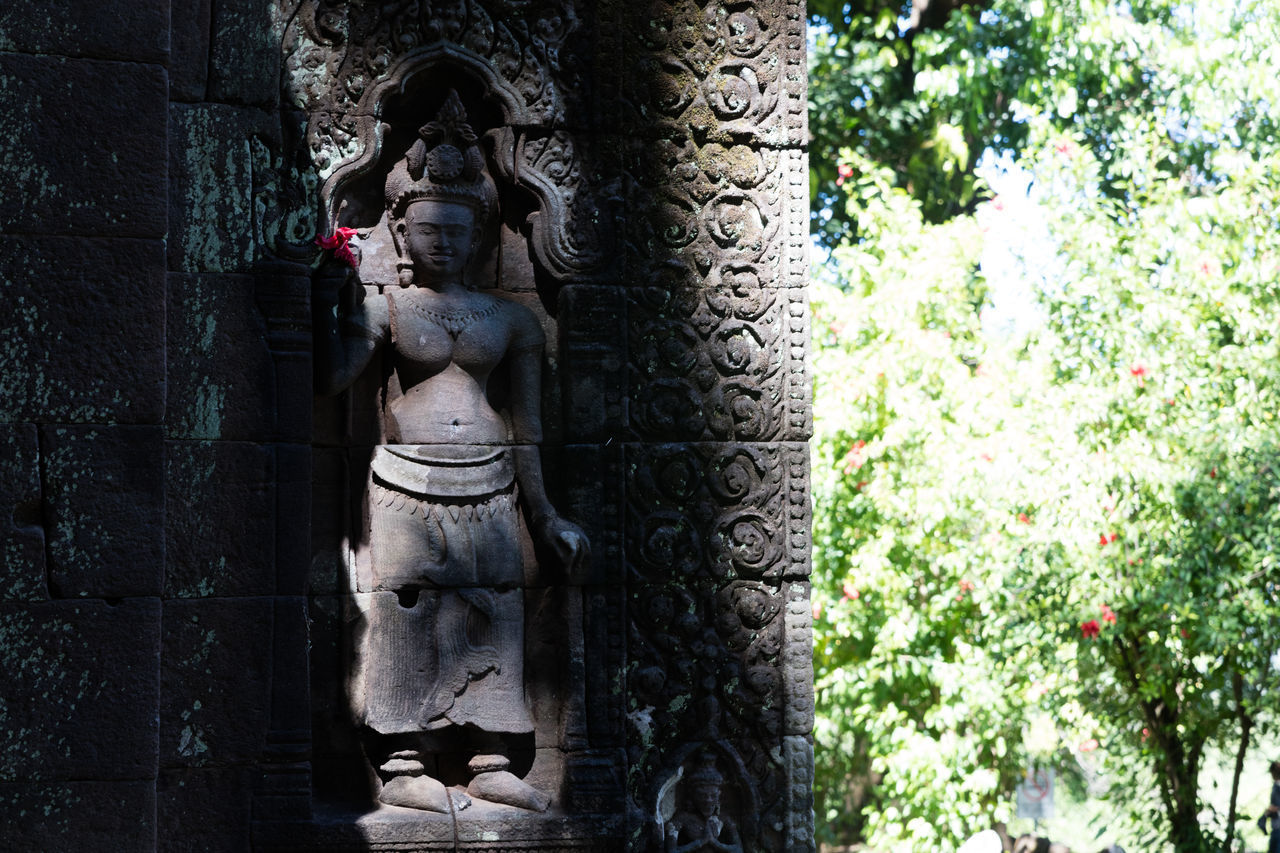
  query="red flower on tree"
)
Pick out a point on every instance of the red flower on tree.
point(856, 457)
point(1023, 518)
point(843, 173)
point(1106, 539)
point(1209, 266)
point(1090, 629)
point(1108, 615)
point(850, 594)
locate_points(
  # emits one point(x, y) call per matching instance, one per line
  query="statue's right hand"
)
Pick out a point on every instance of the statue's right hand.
point(328, 281)
point(568, 543)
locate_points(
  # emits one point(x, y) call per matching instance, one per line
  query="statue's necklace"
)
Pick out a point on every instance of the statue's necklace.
point(454, 322)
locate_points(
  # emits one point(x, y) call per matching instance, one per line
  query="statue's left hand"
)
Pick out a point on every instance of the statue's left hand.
point(569, 543)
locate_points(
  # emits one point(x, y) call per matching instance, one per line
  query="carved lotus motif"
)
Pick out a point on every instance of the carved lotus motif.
point(669, 406)
point(738, 294)
point(670, 544)
point(747, 544)
point(738, 410)
point(668, 345)
point(673, 89)
point(754, 605)
point(739, 475)
point(678, 476)
point(746, 36)
point(737, 348)
point(730, 92)
point(736, 222)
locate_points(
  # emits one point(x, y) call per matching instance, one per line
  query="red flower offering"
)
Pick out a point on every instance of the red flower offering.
point(337, 242)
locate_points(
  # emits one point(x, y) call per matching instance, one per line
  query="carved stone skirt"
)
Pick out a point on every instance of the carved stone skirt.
point(441, 639)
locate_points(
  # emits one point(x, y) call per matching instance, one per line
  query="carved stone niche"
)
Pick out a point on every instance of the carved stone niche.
point(568, 223)
point(448, 671)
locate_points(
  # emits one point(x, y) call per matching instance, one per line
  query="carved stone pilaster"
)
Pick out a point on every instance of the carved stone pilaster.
point(719, 677)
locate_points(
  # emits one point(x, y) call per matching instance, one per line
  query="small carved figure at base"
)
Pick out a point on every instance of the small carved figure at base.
point(698, 825)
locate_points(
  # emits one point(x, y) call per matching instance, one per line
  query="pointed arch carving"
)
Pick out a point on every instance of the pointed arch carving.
point(347, 78)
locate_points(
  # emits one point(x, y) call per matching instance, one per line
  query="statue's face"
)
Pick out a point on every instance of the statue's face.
point(707, 799)
point(438, 237)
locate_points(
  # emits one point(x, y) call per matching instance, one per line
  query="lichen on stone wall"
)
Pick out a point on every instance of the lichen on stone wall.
point(217, 179)
point(36, 665)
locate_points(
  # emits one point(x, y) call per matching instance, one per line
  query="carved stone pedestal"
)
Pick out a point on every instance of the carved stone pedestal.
point(480, 828)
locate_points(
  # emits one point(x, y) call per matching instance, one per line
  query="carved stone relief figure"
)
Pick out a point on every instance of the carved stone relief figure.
point(439, 646)
point(693, 819)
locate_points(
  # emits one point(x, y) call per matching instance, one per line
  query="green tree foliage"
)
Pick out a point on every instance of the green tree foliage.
point(1073, 527)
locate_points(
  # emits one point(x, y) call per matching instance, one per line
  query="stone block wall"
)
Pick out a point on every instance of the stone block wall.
point(142, 502)
point(82, 403)
point(166, 593)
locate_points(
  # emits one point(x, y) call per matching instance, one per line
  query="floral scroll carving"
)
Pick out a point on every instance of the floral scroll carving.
point(707, 512)
point(721, 72)
point(719, 331)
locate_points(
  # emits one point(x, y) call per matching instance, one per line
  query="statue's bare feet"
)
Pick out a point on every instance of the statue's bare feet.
point(416, 792)
point(494, 783)
point(410, 787)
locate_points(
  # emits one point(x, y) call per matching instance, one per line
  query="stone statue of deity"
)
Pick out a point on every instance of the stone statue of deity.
point(439, 651)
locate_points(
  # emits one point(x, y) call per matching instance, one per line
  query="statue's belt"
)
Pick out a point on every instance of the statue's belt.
point(443, 472)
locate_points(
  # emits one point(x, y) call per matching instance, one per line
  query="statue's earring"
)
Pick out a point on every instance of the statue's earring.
point(404, 266)
point(404, 272)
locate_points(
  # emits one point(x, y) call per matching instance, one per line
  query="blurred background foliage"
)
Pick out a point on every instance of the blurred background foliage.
point(1047, 509)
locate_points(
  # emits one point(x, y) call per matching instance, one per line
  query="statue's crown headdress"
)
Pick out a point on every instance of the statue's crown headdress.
point(443, 164)
point(706, 772)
